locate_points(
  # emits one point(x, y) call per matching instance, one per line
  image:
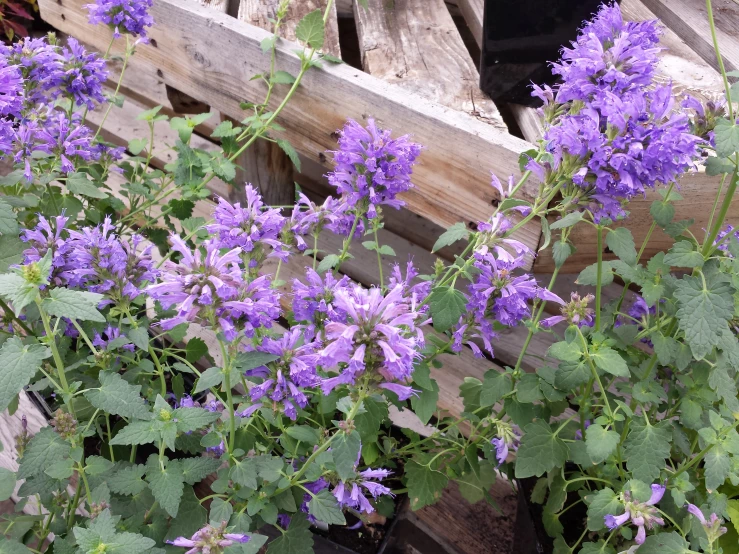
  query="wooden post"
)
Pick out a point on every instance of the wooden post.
point(265, 165)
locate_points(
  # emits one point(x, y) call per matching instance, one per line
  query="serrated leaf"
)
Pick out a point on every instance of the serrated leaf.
point(250, 360)
point(328, 262)
point(11, 252)
point(7, 483)
point(425, 485)
point(717, 166)
point(600, 443)
point(167, 486)
point(726, 134)
point(684, 254)
point(193, 419)
point(211, 377)
point(74, 304)
point(19, 363)
point(191, 516)
point(291, 152)
point(345, 449)
point(589, 275)
point(297, 539)
point(610, 361)
point(665, 543)
point(17, 290)
point(45, 448)
point(138, 432)
point(540, 451)
point(117, 396)
point(447, 305)
point(645, 450)
point(494, 386)
point(140, 337)
point(704, 312)
point(567, 221)
point(311, 29)
point(425, 402)
point(244, 472)
point(600, 504)
point(95, 465)
point(560, 252)
point(195, 470)
point(304, 433)
point(8, 219)
point(127, 480)
point(456, 232)
point(78, 183)
point(662, 212)
point(324, 507)
point(8, 546)
point(621, 243)
point(220, 511)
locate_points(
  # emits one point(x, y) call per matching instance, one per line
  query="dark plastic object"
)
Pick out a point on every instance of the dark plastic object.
point(520, 37)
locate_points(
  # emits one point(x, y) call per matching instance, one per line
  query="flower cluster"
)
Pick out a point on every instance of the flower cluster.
point(349, 493)
point(210, 540)
point(127, 16)
point(643, 515)
point(619, 133)
point(372, 168)
point(208, 287)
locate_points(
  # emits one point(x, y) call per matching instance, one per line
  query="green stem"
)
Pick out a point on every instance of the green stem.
point(379, 259)
point(715, 205)
point(719, 59)
point(229, 396)
point(709, 244)
point(347, 243)
point(115, 94)
point(7, 310)
point(599, 279)
point(55, 353)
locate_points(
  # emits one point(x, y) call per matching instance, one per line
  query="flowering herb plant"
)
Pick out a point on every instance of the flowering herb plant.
point(286, 421)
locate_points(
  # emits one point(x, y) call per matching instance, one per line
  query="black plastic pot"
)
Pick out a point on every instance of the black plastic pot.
point(520, 37)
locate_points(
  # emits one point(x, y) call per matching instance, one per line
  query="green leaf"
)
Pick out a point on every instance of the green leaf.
point(311, 29)
point(95, 465)
point(718, 466)
point(662, 212)
point(717, 166)
point(565, 351)
point(78, 183)
point(135, 146)
point(7, 483)
point(447, 305)
point(424, 404)
point(140, 337)
point(249, 360)
point(727, 138)
point(527, 389)
point(540, 451)
point(127, 480)
point(645, 450)
point(8, 219)
point(74, 304)
point(290, 151)
point(211, 377)
point(45, 448)
point(283, 78)
point(560, 252)
point(704, 312)
point(665, 543)
point(244, 472)
point(345, 449)
point(220, 511)
point(267, 44)
point(11, 252)
point(167, 485)
point(328, 262)
point(589, 275)
point(193, 419)
point(600, 443)
point(567, 221)
point(17, 290)
point(304, 433)
point(138, 432)
point(571, 375)
point(61, 470)
point(190, 517)
point(117, 396)
point(8, 546)
point(296, 540)
point(456, 232)
point(600, 504)
point(683, 254)
point(324, 507)
point(149, 115)
point(494, 387)
point(425, 485)
point(195, 470)
point(621, 243)
point(19, 363)
point(195, 349)
point(610, 361)
point(724, 385)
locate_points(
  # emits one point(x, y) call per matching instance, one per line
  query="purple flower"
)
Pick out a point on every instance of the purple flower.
point(372, 168)
point(507, 439)
point(254, 228)
point(495, 295)
point(574, 312)
point(642, 514)
point(313, 303)
point(46, 236)
point(309, 218)
point(296, 367)
point(723, 238)
point(209, 288)
point(713, 525)
point(83, 75)
point(112, 335)
point(68, 140)
point(99, 261)
point(350, 493)
point(11, 88)
point(380, 335)
point(128, 16)
point(210, 540)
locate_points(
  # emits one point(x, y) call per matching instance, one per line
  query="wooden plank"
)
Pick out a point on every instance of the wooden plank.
point(473, 12)
point(265, 165)
point(689, 20)
point(212, 57)
point(416, 44)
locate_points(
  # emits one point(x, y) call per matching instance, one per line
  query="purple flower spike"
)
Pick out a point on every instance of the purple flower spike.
point(127, 16)
point(210, 539)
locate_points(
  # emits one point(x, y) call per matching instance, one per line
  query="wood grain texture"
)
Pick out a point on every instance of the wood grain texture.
point(415, 44)
point(689, 19)
point(212, 57)
point(265, 165)
point(472, 11)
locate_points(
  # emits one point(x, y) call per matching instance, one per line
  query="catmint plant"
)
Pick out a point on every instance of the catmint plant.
point(198, 400)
